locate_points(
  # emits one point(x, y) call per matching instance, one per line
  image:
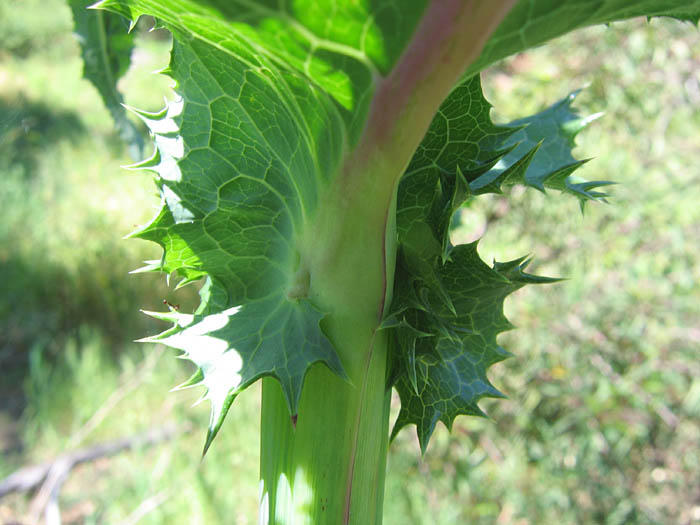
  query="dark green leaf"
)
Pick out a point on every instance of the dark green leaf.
point(272, 336)
point(548, 137)
point(446, 353)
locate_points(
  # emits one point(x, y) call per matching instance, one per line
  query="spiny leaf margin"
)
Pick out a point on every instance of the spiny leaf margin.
point(448, 304)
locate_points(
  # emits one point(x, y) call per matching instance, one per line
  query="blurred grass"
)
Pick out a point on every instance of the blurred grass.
point(602, 424)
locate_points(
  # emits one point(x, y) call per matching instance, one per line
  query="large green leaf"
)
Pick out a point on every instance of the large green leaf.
point(106, 48)
point(241, 159)
point(273, 99)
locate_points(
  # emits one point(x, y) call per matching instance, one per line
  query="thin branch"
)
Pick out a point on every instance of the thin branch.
point(27, 478)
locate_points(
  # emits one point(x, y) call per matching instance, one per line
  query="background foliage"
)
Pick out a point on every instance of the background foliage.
point(602, 422)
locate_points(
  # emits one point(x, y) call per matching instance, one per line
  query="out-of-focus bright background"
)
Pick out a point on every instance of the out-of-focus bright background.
point(603, 420)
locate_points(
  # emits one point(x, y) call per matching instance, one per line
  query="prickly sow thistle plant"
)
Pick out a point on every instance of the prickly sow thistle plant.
point(309, 168)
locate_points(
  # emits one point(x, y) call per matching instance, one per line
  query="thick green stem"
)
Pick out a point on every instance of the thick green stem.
point(330, 467)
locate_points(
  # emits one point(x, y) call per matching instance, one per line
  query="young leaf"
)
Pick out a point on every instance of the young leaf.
point(106, 49)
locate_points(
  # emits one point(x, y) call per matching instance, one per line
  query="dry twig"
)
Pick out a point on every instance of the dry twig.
point(51, 474)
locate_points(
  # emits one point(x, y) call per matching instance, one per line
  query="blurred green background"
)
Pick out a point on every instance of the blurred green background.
point(602, 424)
